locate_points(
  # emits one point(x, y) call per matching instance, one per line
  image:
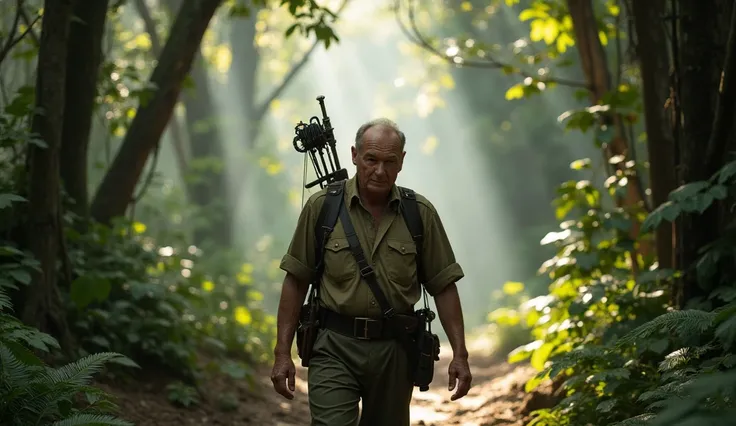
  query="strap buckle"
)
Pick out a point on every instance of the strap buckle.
point(366, 271)
point(361, 332)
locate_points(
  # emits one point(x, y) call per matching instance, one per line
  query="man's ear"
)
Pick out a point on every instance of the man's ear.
point(354, 154)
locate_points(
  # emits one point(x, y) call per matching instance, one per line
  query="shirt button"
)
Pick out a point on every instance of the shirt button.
point(373, 303)
point(403, 249)
point(337, 245)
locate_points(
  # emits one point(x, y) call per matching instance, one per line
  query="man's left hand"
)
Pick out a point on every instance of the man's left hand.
point(459, 373)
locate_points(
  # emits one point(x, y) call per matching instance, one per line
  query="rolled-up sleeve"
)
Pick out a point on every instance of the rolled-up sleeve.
point(299, 258)
point(439, 264)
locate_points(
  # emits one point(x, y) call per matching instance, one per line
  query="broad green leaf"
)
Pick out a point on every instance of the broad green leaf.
point(89, 288)
point(666, 211)
point(7, 199)
point(687, 190)
point(21, 276)
point(10, 251)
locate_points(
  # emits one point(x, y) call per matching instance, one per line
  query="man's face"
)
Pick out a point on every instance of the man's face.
point(379, 160)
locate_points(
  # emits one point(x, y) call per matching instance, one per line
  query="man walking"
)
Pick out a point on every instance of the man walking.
point(354, 357)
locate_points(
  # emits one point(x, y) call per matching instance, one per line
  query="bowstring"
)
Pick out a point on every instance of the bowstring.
point(304, 178)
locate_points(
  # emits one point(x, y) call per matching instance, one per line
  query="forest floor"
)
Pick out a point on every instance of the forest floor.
point(496, 398)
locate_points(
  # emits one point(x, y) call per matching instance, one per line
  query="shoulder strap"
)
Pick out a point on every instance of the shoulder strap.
point(365, 268)
point(325, 224)
point(410, 211)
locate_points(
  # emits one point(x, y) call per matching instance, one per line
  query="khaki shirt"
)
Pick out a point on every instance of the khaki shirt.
point(389, 248)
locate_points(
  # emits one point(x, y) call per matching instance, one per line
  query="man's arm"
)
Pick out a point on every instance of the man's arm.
point(298, 264)
point(293, 293)
point(451, 317)
point(442, 272)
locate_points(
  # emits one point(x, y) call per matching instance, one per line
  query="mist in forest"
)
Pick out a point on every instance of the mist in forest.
point(454, 157)
point(489, 165)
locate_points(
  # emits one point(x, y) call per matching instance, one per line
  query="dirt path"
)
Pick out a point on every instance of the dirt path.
point(495, 399)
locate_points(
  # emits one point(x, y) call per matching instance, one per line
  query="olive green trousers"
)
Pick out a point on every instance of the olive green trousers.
point(344, 370)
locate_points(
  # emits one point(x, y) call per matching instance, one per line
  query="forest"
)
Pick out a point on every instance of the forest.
point(579, 152)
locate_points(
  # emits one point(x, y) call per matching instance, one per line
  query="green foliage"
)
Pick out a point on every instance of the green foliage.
point(310, 17)
point(694, 197)
point(182, 395)
point(32, 392)
point(162, 305)
point(624, 356)
point(511, 331)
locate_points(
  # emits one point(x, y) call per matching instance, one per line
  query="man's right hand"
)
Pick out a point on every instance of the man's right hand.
point(283, 374)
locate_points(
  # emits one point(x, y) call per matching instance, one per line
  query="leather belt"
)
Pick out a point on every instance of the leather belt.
point(363, 328)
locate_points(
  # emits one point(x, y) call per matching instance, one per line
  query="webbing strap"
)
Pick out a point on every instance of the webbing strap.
point(325, 225)
point(410, 212)
point(365, 268)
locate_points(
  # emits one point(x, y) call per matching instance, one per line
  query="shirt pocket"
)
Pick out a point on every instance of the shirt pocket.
point(340, 264)
point(401, 262)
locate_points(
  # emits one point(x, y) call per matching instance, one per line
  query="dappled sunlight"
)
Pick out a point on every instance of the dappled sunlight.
point(149, 187)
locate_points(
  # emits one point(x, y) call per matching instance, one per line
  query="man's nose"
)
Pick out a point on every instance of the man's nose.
point(380, 170)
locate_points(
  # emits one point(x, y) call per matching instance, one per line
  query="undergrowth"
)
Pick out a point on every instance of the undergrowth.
point(31, 392)
point(625, 356)
point(143, 293)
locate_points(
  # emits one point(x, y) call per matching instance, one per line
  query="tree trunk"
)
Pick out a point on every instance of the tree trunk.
point(702, 46)
point(246, 61)
point(597, 74)
point(208, 180)
point(654, 63)
point(117, 187)
point(180, 152)
point(42, 306)
point(82, 70)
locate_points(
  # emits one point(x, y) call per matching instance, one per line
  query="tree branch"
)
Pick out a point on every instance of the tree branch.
point(261, 110)
point(176, 137)
point(12, 40)
point(30, 23)
point(150, 26)
point(279, 89)
point(415, 36)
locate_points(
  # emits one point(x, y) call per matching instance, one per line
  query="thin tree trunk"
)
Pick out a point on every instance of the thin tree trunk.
point(116, 190)
point(42, 306)
point(82, 70)
point(208, 186)
point(655, 63)
point(703, 38)
point(598, 76)
point(177, 139)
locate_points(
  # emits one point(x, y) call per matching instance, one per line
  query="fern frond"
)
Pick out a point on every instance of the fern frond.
point(92, 420)
point(13, 373)
point(672, 389)
point(697, 390)
point(5, 302)
point(726, 332)
point(24, 355)
point(80, 372)
point(577, 357)
point(682, 357)
point(609, 375)
point(685, 324)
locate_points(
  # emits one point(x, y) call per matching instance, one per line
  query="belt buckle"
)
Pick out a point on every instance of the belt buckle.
point(361, 333)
